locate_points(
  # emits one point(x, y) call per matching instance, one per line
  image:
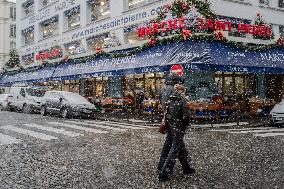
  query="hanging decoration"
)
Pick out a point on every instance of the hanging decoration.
point(186, 33)
point(280, 41)
point(219, 36)
point(152, 42)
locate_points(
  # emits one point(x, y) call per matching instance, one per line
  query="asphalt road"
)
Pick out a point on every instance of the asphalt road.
point(49, 152)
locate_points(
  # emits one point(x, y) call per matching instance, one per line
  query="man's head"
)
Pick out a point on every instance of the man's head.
point(179, 88)
point(173, 79)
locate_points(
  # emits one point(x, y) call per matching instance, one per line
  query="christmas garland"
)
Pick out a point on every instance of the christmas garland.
point(177, 9)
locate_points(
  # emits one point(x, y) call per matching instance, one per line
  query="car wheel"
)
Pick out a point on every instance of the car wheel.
point(43, 111)
point(26, 109)
point(1, 107)
point(9, 108)
point(64, 113)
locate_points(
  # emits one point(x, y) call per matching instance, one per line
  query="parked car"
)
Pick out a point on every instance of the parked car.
point(277, 114)
point(26, 99)
point(3, 101)
point(66, 104)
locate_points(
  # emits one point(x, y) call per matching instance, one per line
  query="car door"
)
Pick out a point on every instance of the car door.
point(57, 103)
point(50, 99)
point(21, 96)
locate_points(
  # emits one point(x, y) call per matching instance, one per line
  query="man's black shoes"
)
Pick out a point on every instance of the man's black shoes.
point(189, 171)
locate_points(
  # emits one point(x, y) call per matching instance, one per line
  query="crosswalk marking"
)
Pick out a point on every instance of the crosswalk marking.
point(96, 125)
point(5, 139)
point(54, 130)
point(77, 127)
point(28, 132)
point(122, 125)
point(269, 134)
point(242, 129)
point(258, 131)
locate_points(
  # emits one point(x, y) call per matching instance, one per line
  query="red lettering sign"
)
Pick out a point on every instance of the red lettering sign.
point(201, 24)
point(50, 54)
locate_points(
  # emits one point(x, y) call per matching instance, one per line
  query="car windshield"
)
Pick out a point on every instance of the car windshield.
point(75, 98)
point(35, 92)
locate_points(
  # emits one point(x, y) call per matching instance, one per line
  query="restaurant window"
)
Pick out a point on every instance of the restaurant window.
point(13, 13)
point(13, 30)
point(102, 87)
point(28, 7)
point(281, 3)
point(281, 31)
point(99, 9)
point(28, 35)
point(71, 86)
point(73, 18)
point(49, 27)
point(149, 84)
point(236, 84)
point(73, 47)
point(28, 59)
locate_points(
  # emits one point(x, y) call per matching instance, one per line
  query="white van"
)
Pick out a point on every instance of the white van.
point(277, 114)
point(25, 98)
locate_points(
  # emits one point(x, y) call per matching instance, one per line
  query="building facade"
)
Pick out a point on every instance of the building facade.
point(7, 31)
point(50, 30)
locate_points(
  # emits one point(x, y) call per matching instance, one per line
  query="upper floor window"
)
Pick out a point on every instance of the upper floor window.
point(73, 18)
point(49, 27)
point(264, 2)
point(281, 31)
point(97, 41)
point(28, 59)
point(74, 47)
point(28, 7)
point(136, 3)
point(130, 33)
point(13, 13)
point(12, 45)
point(99, 9)
point(28, 35)
point(13, 31)
point(45, 2)
point(281, 3)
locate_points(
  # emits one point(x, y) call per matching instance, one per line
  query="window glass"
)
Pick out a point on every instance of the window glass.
point(281, 3)
point(99, 9)
point(96, 41)
point(28, 35)
point(264, 2)
point(73, 47)
point(130, 33)
point(73, 18)
point(28, 7)
point(45, 2)
point(13, 30)
point(49, 27)
point(28, 59)
point(135, 3)
point(12, 13)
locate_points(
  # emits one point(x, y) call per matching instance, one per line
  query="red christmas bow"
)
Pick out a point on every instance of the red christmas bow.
point(280, 41)
point(186, 33)
point(99, 50)
point(152, 42)
point(219, 35)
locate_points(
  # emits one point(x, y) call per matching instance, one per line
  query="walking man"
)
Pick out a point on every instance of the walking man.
point(177, 119)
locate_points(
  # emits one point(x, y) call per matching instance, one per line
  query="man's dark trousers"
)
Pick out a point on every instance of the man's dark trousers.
point(173, 148)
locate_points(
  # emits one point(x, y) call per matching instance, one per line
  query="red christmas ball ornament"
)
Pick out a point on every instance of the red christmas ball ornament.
point(280, 41)
point(169, 7)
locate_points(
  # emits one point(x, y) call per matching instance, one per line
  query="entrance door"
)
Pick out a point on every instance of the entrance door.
point(274, 87)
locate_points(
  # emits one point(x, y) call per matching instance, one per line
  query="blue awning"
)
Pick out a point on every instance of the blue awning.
point(34, 76)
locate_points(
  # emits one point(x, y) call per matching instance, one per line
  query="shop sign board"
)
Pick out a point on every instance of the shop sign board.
point(204, 24)
point(56, 53)
point(177, 69)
